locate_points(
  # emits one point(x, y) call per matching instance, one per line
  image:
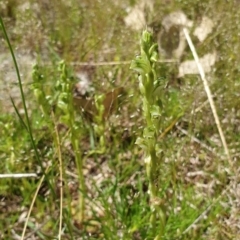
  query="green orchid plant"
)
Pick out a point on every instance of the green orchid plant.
point(155, 106)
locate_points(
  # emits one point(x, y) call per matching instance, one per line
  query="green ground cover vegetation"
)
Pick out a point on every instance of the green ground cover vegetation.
point(149, 165)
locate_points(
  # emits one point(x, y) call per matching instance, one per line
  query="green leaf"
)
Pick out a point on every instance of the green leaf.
point(141, 65)
point(155, 111)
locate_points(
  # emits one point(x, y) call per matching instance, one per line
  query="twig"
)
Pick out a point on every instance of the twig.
point(61, 176)
point(116, 63)
point(209, 95)
point(30, 234)
point(18, 175)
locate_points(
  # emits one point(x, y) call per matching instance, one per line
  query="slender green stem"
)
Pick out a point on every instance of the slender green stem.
point(22, 96)
point(79, 163)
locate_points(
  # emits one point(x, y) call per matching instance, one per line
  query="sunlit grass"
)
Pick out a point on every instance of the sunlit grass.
point(194, 172)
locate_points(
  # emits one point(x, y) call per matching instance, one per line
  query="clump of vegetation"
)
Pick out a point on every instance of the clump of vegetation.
point(89, 179)
point(154, 107)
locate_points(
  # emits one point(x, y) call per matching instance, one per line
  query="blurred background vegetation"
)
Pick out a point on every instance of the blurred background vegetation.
point(196, 178)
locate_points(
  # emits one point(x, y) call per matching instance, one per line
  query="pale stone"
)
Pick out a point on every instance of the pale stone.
point(176, 18)
point(136, 17)
point(205, 28)
point(190, 66)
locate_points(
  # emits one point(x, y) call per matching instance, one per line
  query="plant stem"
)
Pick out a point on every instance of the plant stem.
point(79, 163)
